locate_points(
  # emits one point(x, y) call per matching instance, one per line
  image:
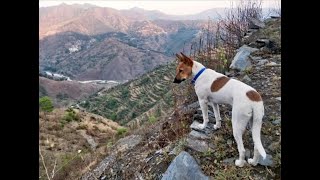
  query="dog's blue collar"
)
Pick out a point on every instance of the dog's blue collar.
point(197, 75)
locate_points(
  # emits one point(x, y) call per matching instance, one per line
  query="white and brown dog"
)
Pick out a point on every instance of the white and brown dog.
point(214, 88)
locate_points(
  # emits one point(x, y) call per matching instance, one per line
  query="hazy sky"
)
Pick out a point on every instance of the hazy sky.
point(169, 7)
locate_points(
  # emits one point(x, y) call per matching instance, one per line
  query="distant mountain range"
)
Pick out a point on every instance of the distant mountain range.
point(89, 19)
point(87, 42)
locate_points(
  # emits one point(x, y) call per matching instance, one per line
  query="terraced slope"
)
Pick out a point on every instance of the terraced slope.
point(137, 100)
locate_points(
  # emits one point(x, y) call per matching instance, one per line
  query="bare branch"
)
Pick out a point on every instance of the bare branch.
point(54, 167)
point(67, 162)
point(44, 164)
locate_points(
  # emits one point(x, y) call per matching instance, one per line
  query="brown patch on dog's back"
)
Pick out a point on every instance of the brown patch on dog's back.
point(219, 83)
point(254, 95)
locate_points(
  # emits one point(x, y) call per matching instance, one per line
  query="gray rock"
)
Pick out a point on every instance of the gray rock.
point(278, 98)
point(246, 78)
point(199, 145)
point(103, 165)
point(273, 64)
point(229, 142)
point(247, 35)
point(184, 167)
point(255, 58)
point(89, 139)
point(123, 144)
point(256, 24)
point(229, 160)
point(197, 135)
point(275, 122)
point(227, 73)
point(128, 142)
point(262, 62)
point(241, 60)
point(251, 30)
point(263, 41)
point(160, 151)
point(266, 162)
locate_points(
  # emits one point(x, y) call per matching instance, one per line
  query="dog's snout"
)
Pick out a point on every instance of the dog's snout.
point(176, 80)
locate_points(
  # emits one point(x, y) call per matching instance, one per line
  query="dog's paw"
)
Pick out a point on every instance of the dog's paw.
point(252, 162)
point(216, 126)
point(240, 163)
point(201, 126)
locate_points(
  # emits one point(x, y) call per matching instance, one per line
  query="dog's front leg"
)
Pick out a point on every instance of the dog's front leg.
point(216, 111)
point(204, 108)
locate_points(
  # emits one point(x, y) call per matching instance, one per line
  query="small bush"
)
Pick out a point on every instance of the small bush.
point(109, 144)
point(113, 116)
point(121, 131)
point(152, 119)
point(71, 115)
point(112, 103)
point(45, 104)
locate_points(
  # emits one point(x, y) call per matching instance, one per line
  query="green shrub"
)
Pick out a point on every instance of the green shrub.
point(152, 119)
point(45, 104)
point(113, 116)
point(70, 115)
point(112, 103)
point(125, 93)
point(121, 131)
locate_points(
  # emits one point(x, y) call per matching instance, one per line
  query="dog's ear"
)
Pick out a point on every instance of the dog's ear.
point(185, 59)
point(179, 57)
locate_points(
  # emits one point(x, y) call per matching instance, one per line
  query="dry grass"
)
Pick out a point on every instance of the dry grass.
point(60, 141)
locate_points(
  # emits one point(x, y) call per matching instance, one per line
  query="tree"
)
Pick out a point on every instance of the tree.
point(237, 19)
point(45, 104)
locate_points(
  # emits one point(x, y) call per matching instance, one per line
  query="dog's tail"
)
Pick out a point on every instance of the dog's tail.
point(258, 112)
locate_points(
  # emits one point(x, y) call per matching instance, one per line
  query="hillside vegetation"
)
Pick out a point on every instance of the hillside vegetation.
point(71, 141)
point(136, 100)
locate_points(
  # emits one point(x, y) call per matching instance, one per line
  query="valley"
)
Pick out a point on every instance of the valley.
point(108, 107)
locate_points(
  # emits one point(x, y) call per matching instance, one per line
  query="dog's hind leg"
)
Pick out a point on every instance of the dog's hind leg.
point(257, 144)
point(254, 161)
point(239, 122)
point(216, 115)
point(258, 112)
point(204, 108)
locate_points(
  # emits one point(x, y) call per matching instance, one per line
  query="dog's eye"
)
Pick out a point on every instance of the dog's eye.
point(180, 70)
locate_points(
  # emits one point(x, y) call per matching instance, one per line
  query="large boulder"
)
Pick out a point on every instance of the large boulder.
point(241, 60)
point(256, 24)
point(184, 167)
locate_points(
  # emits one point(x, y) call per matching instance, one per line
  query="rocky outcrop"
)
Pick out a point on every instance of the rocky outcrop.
point(184, 167)
point(122, 145)
point(256, 24)
point(241, 60)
